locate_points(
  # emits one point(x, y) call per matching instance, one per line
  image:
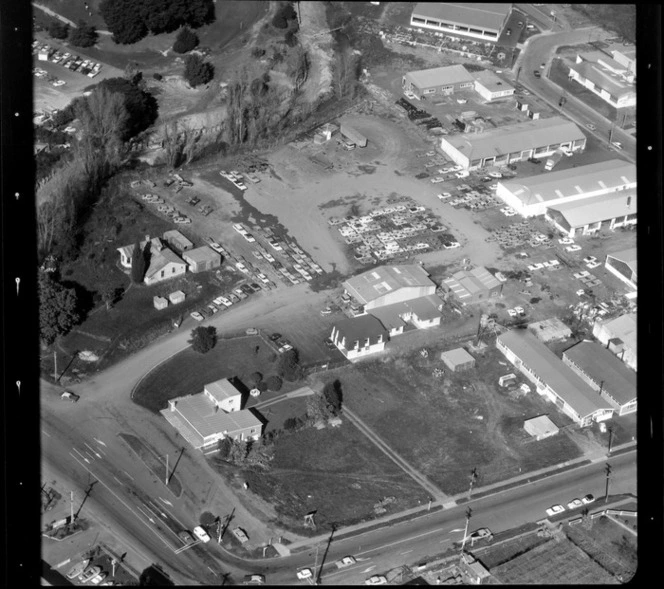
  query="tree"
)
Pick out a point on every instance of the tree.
point(109, 294)
point(283, 14)
point(238, 452)
point(291, 423)
point(58, 308)
point(185, 41)
point(197, 71)
point(203, 339)
point(142, 107)
point(84, 35)
point(274, 383)
point(58, 30)
point(123, 18)
point(260, 453)
point(333, 395)
point(318, 408)
point(137, 264)
point(288, 366)
point(224, 446)
point(256, 378)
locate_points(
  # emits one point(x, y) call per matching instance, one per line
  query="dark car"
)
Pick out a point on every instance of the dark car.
point(186, 537)
point(534, 160)
point(537, 74)
point(275, 336)
point(255, 286)
point(246, 289)
point(329, 343)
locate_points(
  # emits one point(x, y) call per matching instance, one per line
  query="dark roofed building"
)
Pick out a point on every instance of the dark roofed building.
point(359, 336)
point(605, 373)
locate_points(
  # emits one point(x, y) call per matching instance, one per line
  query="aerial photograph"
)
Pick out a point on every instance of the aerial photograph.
point(336, 293)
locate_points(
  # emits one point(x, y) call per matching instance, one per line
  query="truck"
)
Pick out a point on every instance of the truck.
point(552, 160)
point(352, 135)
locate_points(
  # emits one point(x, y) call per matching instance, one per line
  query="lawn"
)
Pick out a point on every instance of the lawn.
point(75, 11)
point(187, 372)
point(335, 471)
point(444, 427)
point(618, 18)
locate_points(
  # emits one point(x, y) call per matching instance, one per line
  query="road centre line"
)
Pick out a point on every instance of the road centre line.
point(131, 477)
point(127, 506)
point(436, 531)
point(407, 552)
point(46, 434)
point(63, 563)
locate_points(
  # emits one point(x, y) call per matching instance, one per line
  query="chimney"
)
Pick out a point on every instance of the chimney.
point(172, 404)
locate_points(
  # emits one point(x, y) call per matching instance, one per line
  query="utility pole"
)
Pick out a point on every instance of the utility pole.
point(518, 71)
point(316, 566)
point(166, 476)
point(71, 503)
point(608, 476)
point(610, 438)
point(473, 480)
point(469, 513)
point(55, 365)
point(611, 133)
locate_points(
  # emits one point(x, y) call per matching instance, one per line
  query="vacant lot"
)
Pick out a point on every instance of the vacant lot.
point(335, 471)
point(443, 425)
point(187, 372)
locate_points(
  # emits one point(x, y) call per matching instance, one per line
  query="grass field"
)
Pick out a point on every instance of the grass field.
point(189, 371)
point(335, 471)
point(460, 420)
point(618, 18)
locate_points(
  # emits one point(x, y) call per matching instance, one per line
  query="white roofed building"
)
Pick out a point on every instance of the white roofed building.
point(623, 265)
point(438, 81)
point(482, 21)
point(619, 336)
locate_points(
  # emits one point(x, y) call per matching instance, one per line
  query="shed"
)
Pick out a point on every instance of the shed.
point(550, 330)
point(458, 360)
point(160, 303)
point(202, 259)
point(177, 241)
point(176, 297)
point(540, 427)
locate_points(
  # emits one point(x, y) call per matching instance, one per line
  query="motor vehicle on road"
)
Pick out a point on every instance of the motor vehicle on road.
point(482, 533)
point(304, 574)
point(542, 66)
point(537, 74)
point(591, 126)
point(376, 580)
point(574, 504)
point(554, 510)
point(201, 534)
point(588, 499)
point(508, 32)
point(69, 396)
point(186, 537)
point(196, 315)
point(616, 144)
point(346, 561)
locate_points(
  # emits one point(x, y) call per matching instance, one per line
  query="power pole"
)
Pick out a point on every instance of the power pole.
point(611, 133)
point(71, 504)
point(55, 366)
point(166, 477)
point(316, 566)
point(469, 513)
point(473, 479)
point(610, 438)
point(518, 71)
point(608, 476)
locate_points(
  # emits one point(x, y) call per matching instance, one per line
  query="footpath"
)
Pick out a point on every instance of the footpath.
point(459, 499)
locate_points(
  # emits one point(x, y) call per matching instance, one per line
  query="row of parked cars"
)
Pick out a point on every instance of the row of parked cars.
point(74, 63)
point(85, 572)
point(573, 504)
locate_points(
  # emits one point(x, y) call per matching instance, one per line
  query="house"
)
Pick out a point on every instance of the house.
point(163, 265)
point(159, 303)
point(513, 143)
point(605, 77)
point(619, 336)
point(458, 360)
point(472, 286)
point(202, 420)
point(533, 195)
point(474, 570)
point(359, 336)
point(552, 378)
point(177, 241)
point(387, 285)
point(437, 81)
point(605, 373)
point(490, 86)
point(127, 251)
point(623, 265)
point(550, 330)
point(540, 427)
point(176, 297)
point(202, 259)
point(422, 313)
point(480, 21)
point(590, 215)
point(44, 53)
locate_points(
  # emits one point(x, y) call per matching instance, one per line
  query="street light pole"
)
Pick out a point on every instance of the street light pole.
point(473, 478)
point(166, 477)
point(469, 513)
point(608, 475)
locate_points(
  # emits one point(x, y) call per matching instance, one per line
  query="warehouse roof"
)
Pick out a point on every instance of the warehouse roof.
point(467, 283)
point(514, 138)
point(550, 329)
point(552, 371)
point(359, 329)
point(491, 81)
point(222, 389)
point(440, 76)
point(606, 176)
point(614, 84)
point(623, 327)
point(598, 208)
point(375, 283)
point(201, 254)
point(456, 357)
point(607, 370)
point(627, 257)
point(490, 16)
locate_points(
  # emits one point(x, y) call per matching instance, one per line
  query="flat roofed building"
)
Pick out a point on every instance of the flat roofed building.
point(590, 215)
point(604, 77)
point(439, 80)
point(552, 378)
point(623, 265)
point(224, 395)
point(531, 196)
point(359, 336)
point(550, 330)
point(202, 259)
point(540, 427)
point(490, 86)
point(389, 284)
point(605, 373)
point(619, 335)
point(423, 313)
point(472, 286)
point(476, 21)
point(457, 360)
point(513, 143)
point(177, 241)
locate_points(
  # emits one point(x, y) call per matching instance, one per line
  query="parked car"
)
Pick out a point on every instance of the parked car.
point(462, 174)
point(254, 579)
point(196, 315)
point(216, 247)
point(304, 574)
point(69, 396)
point(251, 331)
point(461, 100)
point(444, 195)
point(88, 574)
point(537, 74)
point(345, 562)
point(376, 580)
point(574, 504)
point(508, 32)
point(591, 126)
point(78, 568)
point(482, 533)
point(201, 534)
point(98, 578)
point(573, 248)
point(534, 160)
point(241, 535)
point(554, 510)
point(495, 174)
point(275, 336)
point(588, 499)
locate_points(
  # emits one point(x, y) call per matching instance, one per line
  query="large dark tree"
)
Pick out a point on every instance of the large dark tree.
point(197, 71)
point(83, 36)
point(58, 30)
point(203, 339)
point(141, 106)
point(333, 396)
point(58, 308)
point(137, 264)
point(185, 41)
point(123, 18)
point(288, 366)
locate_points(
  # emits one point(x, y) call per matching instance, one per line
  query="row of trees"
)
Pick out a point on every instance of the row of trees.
point(132, 20)
point(84, 35)
point(246, 454)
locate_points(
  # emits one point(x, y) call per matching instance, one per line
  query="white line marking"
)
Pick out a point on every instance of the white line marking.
point(401, 541)
point(99, 441)
point(166, 502)
point(368, 570)
point(63, 563)
point(131, 477)
point(407, 551)
point(118, 480)
point(93, 450)
point(81, 455)
point(46, 434)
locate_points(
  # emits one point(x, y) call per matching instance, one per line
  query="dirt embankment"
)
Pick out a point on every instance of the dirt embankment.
point(318, 42)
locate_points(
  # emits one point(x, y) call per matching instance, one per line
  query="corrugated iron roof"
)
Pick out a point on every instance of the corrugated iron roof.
point(603, 207)
point(201, 254)
point(440, 76)
point(373, 284)
point(483, 15)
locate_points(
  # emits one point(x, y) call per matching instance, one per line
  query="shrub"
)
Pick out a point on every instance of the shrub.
point(203, 339)
point(274, 382)
point(157, 77)
point(185, 41)
point(255, 378)
point(288, 366)
point(284, 13)
point(197, 71)
point(290, 39)
point(83, 36)
point(291, 423)
point(58, 30)
point(257, 52)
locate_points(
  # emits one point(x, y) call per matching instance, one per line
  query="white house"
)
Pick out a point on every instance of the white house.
point(163, 264)
point(359, 336)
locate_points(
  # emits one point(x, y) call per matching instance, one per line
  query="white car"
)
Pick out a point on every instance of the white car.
point(345, 562)
point(574, 504)
point(573, 248)
point(520, 310)
point(588, 499)
point(566, 241)
point(78, 568)
point(462, 174)
point(593, 265)
point(201, 534)
point(88, 574)
point(511, 312)
point(196, 315)
point(461, 100)
point(249, 237)
point(444, 195)
point(376, 580)
point(411, 95)
point(216, 247)
point(59, 83)
point(554, 510)
point(264, 279)
point(495, 174)
point(580, 292)
point(482, 533)
point(437, 180)
point(241, 267)
point(239, 228)
point(241, 535)
point(450, 245)
point(275, 245)
point(616, 144)
point(98, 579)
point(304, 574)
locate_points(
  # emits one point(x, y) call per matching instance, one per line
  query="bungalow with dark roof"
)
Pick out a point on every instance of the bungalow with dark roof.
point(359, 336)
